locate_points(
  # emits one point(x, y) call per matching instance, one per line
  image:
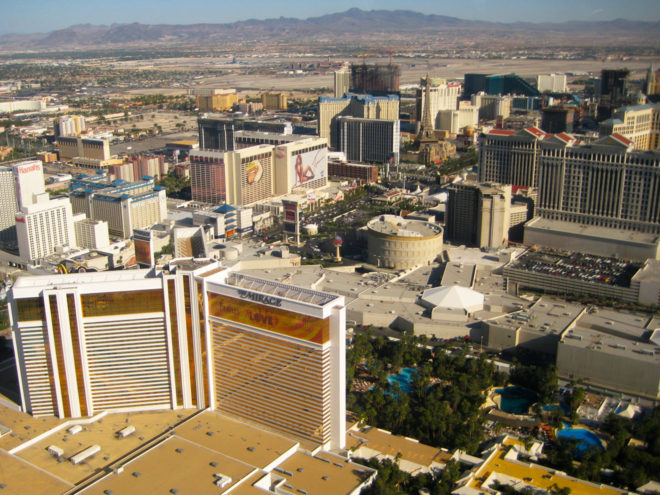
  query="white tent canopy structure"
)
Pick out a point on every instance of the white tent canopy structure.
point(452, 303)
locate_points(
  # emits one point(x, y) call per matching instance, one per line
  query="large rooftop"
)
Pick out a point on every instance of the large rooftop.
point(280, 290)
point(400, 227)
point(181, 451)
point(587, 268)
point(504, 465)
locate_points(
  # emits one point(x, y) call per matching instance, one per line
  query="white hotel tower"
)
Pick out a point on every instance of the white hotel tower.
point(194, 335)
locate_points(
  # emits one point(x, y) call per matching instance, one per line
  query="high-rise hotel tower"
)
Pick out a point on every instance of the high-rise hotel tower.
point(194, 335)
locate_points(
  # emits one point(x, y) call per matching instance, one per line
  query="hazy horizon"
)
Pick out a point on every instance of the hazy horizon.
point(41, 16)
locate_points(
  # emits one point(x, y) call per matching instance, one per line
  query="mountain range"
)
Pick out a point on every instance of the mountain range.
point(348, 25)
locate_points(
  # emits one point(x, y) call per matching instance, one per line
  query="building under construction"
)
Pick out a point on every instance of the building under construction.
point(375, 79)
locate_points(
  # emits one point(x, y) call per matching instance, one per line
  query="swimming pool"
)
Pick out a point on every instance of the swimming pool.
point(404, 379)
point(585, 438)
point(516, 400)
point(550, 407)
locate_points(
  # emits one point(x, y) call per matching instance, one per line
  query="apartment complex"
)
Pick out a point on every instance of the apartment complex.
point(639, 123)
point(194, 335)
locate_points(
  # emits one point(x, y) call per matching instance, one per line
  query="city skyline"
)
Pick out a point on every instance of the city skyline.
point(39, 16)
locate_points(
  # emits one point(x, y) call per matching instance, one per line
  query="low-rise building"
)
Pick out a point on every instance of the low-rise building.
point(500, 464)
point(613, 350)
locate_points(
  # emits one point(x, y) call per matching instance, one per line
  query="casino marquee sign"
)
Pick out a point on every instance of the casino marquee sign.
point(264, 311)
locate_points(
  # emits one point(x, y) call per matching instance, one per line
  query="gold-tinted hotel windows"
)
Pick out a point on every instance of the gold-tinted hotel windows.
point(30, 309)
point(122, 303)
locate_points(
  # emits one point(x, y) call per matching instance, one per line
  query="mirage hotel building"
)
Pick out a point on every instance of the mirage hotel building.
point(193, 335)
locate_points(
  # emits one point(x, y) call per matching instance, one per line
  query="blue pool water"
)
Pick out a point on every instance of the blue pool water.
point(548, 408)
point(404, 379)
point(586, 439)
point(516, 400)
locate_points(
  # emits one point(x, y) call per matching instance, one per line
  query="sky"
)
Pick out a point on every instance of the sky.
point(35, 16)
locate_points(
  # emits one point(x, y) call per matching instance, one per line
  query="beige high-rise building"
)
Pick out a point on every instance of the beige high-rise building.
point(555, 83)
point(43, 227)
point(361, 106)
point(342, 81)
point(492, 106)
point(455, 120)
point(70, 125)
point(125, 206)
point(77, 147)
point(91, 234)
point(478, 214)
point(274, 101)
point(442, 95)
point(218, 101)
point(603, 184)
point(249, 174)
point(639, 123)
point(510, 157)
point(259, 171)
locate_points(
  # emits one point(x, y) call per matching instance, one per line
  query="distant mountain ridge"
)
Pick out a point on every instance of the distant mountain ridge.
point(353, 22)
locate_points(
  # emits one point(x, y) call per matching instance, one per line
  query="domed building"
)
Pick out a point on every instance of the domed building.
point(395, 242)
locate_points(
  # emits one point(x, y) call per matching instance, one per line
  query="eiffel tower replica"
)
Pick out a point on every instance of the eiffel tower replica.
point(427, 133)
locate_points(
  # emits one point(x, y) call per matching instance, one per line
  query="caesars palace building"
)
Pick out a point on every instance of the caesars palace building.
point(193, 335)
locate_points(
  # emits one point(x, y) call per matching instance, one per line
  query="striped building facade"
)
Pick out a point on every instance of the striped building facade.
point(603, 184)
point(606, 183)
point(195, 335)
